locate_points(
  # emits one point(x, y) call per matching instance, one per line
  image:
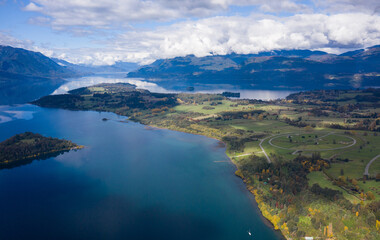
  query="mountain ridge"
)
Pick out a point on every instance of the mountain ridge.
point(26, 75)
point(278, 69)
point(29, 63)
point(85, 69)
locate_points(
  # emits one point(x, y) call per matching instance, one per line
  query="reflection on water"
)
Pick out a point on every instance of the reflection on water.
point(153, 87)
point(29, 90)
point(113, 78)
point(10, 113)
point(127, 183)
point(4, 119)
point(18, 91)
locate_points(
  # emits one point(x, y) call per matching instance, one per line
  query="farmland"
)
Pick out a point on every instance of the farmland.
point(303, 157)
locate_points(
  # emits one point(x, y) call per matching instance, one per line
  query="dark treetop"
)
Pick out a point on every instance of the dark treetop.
point(26, 147)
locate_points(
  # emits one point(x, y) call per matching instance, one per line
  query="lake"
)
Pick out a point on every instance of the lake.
point(156, 87)
point(129, 182)
point(27, 90)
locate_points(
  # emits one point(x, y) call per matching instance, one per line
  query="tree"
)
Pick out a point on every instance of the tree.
point(315, 156)
point(370, 195)
point(354, 182)
point(309, 129)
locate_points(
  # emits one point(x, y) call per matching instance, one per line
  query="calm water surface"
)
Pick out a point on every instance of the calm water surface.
point(156, 87)
point(128, 183)
point(74, 83)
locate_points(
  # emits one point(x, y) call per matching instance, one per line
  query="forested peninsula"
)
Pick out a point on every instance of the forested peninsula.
point(309, 159)
point(25, 147)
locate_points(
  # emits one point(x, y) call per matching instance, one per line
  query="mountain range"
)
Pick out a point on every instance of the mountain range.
point(280, 69)
point(19, 61)
point(27, 75)
point(91, 69)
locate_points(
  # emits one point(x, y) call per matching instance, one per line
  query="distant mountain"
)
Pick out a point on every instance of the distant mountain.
point(280, 69)
point(28, 63)
point(91, 69)
point(362, 52)
point(27, 75)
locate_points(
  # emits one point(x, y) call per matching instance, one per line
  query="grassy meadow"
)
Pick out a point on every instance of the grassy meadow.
point(302, 157)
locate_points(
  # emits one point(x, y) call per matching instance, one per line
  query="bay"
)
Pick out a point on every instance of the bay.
point(159, 88)
point(130, 182)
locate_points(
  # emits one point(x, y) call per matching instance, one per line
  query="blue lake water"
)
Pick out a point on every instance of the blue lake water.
point(156, 87)
point(129, 182)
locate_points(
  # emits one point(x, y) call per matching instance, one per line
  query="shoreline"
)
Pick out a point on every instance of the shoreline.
point(282, 191)
point(40, 156)
point(266, 221)
point(153, 127)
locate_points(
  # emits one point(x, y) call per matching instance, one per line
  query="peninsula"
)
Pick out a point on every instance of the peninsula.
point(25, 147)
point(303, 157)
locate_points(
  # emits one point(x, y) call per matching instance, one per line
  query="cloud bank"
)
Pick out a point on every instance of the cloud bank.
point(222, 35)
point(202, 28)
point(63, 14)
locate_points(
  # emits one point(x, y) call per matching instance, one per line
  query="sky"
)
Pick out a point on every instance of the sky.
point(101, 32)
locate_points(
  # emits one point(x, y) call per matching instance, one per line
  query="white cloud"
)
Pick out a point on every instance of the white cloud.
point(6, 39)
point(33, 7)
point(334, 25)
point(104, 13)
point(279, 6)
point(340, 6)
point(222, 35)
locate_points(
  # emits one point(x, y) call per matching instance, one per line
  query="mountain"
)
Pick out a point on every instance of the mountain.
point(91, 69)
point(28, 63)
point(279, 69)
point(27, 75)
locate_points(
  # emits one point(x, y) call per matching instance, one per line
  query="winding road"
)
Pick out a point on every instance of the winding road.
point(273, 145)
point(262, 149)
point(369, 164)
point(318, 150)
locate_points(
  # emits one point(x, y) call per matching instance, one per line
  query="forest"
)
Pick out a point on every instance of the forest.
point(26, 147)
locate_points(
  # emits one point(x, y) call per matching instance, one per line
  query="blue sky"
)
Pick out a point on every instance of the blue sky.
point(102, 31)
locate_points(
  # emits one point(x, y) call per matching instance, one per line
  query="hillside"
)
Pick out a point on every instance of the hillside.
point(27, 75)
point(282, 69)
point(28, 63)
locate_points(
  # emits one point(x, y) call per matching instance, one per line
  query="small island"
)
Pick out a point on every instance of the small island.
point(25, 147)
point(231, 94)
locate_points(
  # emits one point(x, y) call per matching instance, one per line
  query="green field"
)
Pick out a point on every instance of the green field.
point(225, 105)
point(317, 141)
point(281, 149)
point(323, 181)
